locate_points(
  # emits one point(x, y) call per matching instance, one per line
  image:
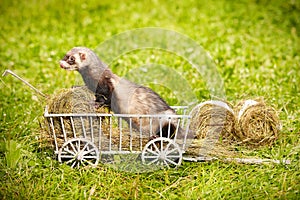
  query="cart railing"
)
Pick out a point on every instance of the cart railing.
point(118, 133)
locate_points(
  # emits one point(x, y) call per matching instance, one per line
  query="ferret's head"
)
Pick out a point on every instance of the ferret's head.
point(79, 58)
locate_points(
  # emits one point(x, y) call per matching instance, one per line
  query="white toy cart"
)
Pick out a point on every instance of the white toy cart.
point(82, 139)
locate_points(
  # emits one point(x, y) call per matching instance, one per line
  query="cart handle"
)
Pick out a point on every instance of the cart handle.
point(28, 84)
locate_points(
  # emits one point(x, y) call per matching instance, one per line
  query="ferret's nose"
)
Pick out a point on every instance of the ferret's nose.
point(61, 64)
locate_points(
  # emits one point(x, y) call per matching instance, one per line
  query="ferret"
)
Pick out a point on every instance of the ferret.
point(120, 95)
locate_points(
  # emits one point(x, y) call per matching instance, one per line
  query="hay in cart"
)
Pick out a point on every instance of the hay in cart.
point(77, 100)
point(95, 124)
point(73, 100)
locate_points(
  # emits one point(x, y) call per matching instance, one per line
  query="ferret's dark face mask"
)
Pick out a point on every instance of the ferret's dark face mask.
point(69, 63)
point(72, 61)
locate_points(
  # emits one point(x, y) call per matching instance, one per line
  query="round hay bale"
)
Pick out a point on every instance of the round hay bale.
point(75, 100)
point(213, 120)
point(257, 124)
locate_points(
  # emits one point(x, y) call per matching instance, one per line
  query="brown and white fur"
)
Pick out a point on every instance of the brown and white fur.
point(121, 95)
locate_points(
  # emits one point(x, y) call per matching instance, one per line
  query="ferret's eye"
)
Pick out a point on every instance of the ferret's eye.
point(72, 58)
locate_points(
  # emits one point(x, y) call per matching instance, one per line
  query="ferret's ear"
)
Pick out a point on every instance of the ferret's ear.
point(82, 56)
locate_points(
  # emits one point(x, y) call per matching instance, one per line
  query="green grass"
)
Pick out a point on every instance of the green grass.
point(256, 48)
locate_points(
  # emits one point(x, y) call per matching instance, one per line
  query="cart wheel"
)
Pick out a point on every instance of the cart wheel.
point(162, 151)
point(79, 152)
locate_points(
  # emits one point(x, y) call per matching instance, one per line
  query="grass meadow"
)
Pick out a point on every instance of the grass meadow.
point(254, 44)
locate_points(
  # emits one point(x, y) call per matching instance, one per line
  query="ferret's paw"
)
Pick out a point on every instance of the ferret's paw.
point(97, 105)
